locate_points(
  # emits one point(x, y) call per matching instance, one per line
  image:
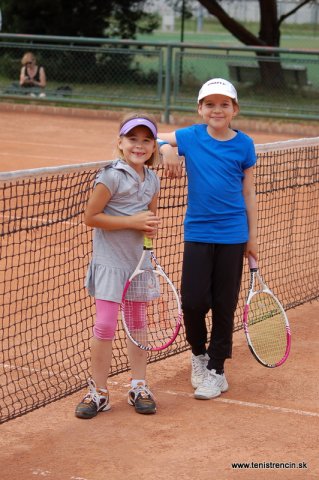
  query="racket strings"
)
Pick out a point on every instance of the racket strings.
point(149, 310)
point(267, 328)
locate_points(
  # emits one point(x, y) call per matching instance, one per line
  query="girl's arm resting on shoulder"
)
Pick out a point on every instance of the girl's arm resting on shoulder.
point(94, 215)
point(171, 161)
point(168, 137)
point(251, 207)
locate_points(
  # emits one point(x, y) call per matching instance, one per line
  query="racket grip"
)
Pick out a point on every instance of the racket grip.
point(252, 263)
point(148, 243)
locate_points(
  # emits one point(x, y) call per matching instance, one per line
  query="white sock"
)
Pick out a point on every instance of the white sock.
point(135, 383)
point(102, 390)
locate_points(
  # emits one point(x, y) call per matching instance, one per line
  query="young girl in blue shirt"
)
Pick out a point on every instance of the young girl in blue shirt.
point(220, 227)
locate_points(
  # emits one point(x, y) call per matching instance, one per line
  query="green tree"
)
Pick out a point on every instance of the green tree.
point(268, 36)
point(85, 18)
point(121, 19)
point(270, 23)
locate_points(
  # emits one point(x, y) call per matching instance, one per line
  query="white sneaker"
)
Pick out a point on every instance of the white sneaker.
point(212, 385)
point(199, 364)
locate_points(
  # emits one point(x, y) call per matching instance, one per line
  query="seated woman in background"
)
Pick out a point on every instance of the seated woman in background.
point(32, 76)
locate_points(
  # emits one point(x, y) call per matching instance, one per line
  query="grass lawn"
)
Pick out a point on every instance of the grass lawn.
point(292, 36)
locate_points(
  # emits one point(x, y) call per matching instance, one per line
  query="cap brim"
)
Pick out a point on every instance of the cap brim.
point(137, 122)
point(215, 90)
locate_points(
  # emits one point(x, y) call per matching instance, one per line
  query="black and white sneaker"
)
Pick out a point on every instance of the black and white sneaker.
point(142, 399)
point(95, 401)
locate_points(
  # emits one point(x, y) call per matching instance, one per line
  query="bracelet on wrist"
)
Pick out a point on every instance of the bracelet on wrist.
point(161, 142)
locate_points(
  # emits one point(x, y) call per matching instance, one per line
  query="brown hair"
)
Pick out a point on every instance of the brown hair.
point(155, 158)
point(28, 57)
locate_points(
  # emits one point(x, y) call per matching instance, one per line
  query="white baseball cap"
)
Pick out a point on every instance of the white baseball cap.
point(218, 86)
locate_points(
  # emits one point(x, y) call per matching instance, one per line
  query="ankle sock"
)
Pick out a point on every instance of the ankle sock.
point(135, 383)
point(102, 390)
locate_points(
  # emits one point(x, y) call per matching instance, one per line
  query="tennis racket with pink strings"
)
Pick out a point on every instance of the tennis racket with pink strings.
point(265, 322)
point(150, 309)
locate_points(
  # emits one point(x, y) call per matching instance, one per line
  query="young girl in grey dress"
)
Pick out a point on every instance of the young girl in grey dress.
point(122, 209)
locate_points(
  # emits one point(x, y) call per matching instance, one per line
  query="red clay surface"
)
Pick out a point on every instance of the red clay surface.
point(32, 140)
point(268, 416)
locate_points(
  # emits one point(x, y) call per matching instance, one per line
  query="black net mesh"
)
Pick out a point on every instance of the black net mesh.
point(46, 314)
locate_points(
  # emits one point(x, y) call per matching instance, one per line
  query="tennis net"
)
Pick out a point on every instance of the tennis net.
point(47, 316)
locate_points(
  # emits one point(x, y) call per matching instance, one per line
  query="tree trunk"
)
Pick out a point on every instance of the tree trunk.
point(269, 35)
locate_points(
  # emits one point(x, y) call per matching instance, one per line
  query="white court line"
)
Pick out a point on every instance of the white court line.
point(232, 402)
point(51, 373)
point(41, 157)
point(37, 144)
point(47, 473)
point(250, 404)
point(264, 406)
point(45, 221)
point(43, 372)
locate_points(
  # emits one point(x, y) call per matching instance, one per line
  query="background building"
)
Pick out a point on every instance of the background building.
point(242, 10)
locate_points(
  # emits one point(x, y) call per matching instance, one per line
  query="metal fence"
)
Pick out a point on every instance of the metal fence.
point(164, 77)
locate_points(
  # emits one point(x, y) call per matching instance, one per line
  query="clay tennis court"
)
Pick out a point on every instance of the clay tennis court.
point(268, 416)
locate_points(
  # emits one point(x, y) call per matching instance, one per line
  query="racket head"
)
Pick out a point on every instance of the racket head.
point(267, 328)
point(151, 310)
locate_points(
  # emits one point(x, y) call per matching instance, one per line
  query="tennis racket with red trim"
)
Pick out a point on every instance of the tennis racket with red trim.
point(265, 322)
point(150, 309)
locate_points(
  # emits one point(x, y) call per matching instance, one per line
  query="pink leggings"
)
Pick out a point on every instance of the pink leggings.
point(107, 315)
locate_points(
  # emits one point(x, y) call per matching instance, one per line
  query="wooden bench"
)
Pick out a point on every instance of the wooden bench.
point(293, 74)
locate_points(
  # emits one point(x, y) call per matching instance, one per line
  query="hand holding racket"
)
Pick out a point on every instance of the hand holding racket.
point(265, 322)
point(151, 310)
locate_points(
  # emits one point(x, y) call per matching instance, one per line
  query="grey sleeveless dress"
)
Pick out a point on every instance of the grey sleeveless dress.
point(116, 253)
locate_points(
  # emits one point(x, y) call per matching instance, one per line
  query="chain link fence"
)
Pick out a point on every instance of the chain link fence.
point(162, 77)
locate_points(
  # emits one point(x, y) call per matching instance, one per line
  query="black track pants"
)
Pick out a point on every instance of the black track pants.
point(211, 278)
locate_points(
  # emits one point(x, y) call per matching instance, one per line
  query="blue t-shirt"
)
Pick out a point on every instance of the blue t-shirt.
point(216, 210)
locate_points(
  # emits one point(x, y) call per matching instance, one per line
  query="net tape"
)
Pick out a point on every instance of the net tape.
point(47, 316)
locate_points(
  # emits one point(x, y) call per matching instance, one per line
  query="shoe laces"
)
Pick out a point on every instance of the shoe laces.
point(198, 364)
point(93, 394)
point(209, 376)
point(143, 390)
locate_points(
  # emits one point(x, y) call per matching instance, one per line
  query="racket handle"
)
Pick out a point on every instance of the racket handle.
point(252, 263)
point(148, 243)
